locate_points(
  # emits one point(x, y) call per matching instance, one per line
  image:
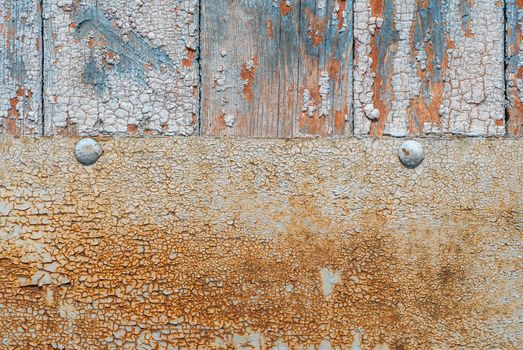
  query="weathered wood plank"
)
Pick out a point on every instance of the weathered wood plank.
point(200, 243)
point(249, 67)
point(325, 70)
point(276, 69)
point(429, 66)
point(114, 67)
point(514, 56)
point(20, 67)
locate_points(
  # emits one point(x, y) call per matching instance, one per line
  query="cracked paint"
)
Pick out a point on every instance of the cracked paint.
point(514, 70)
point(429, 67)
point(173, 243)
point(120, 67)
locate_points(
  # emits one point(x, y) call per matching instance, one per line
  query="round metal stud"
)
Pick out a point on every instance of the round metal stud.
point(87, 151)
point(411, 154)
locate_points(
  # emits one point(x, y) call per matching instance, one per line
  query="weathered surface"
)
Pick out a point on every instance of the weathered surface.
point(20, 67)
point(121, 67)
point(429, 66)
point(280, 68)
point(325, 68)
point(514, 57)
point(202, 243)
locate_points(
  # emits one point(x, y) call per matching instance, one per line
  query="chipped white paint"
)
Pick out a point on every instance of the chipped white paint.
point(121, 67)
point(364, 109)
point(473, 102)
point(328, 280)
point(403, 97)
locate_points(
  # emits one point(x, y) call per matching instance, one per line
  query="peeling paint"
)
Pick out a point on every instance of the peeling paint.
point(268, 244)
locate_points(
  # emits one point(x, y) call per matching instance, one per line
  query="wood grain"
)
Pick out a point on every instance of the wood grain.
point(20, 67)
point(276, 69)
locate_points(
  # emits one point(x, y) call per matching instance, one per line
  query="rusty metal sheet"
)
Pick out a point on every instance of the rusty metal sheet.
point(514, 77)
point(429, 67)
point(169, 243)
point(20, 67)
point(277, 69)
point(120, 67)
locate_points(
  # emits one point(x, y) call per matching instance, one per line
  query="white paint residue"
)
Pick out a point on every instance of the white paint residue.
point(328, 280)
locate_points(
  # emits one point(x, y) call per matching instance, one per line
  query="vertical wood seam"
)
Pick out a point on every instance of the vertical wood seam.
point(296, 113)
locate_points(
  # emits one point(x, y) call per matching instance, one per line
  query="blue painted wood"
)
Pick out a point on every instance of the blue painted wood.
point(276, 69)
point(20, 67)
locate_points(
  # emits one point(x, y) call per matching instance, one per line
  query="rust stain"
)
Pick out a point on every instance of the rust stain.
point(131, 260)
point(317, 27)
point(270, 29)
point(191, 55)
point(248, 73)
point(132, 129)
point(380, 89)
point(342, 6)
point(419, 112)
point(376, 7)
point(284, 8)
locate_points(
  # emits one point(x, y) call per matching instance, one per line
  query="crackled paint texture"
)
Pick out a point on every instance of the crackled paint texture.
point(429, 67)
point(276, 68)
point(514, 57)
point(20, 67)
point(121, 67)
point(169, 243)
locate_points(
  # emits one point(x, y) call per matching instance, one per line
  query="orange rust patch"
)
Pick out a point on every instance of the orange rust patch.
point(132, 129)
point(376, 7)
point(191, 55)
point(317, 27)
point(334, 69)
point(379, 90)
point(248, 74)
point(341, 11)
point(419, 112)
point(270, 29)
point(284, 8)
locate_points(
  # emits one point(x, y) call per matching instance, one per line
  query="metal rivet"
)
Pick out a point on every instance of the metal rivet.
point(87, 151)
point(411, 154)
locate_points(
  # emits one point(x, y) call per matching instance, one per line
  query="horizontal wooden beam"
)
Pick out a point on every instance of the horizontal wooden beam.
point(204, 243)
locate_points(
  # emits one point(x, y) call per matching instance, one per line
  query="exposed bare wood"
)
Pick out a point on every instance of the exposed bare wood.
point(279, 69)
point(20, 67)
point(325, 70)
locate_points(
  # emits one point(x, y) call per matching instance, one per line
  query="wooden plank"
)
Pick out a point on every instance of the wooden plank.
point(20, 67)
point(325, 70)
point(249, 67)
point(199, 243)
point(427, 66)
point(514, 68)
point(119, 68)
point(291, 74)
